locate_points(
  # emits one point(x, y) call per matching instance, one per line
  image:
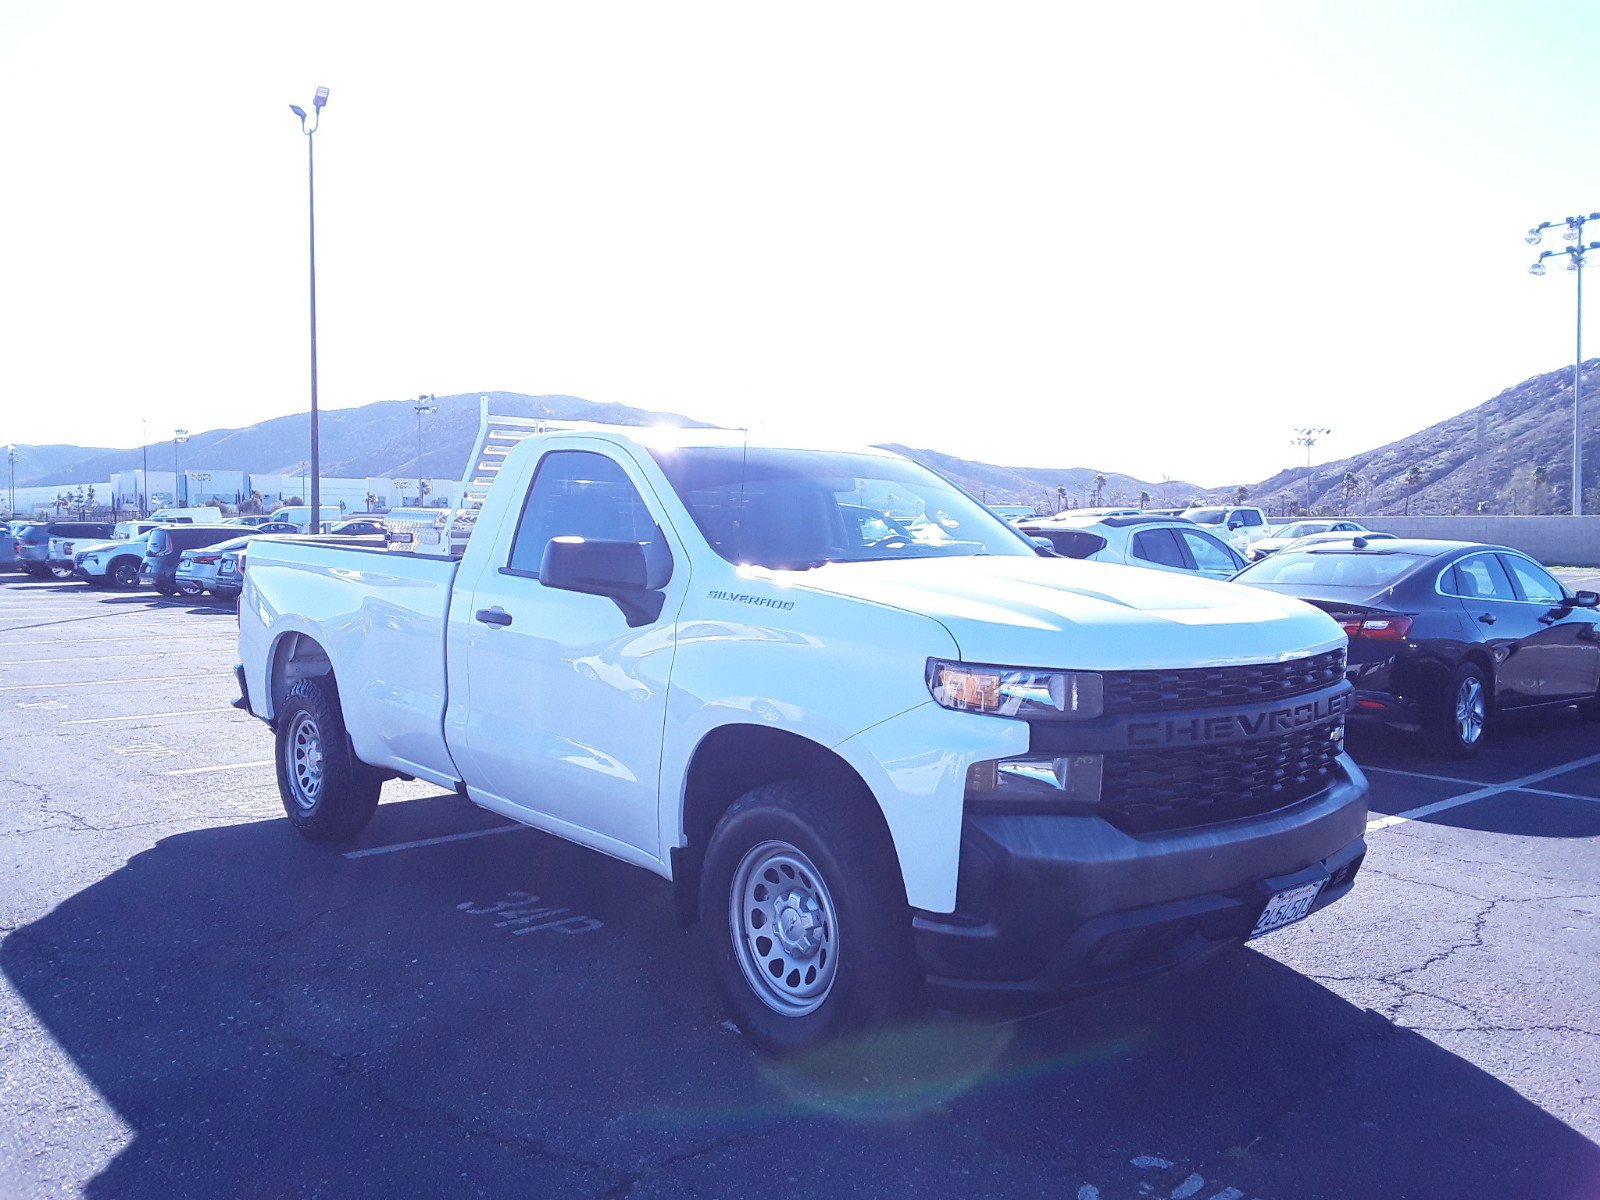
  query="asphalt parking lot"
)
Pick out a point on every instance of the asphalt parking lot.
point(196, 1003)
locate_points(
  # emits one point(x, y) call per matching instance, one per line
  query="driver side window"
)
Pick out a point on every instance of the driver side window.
point(577, 493)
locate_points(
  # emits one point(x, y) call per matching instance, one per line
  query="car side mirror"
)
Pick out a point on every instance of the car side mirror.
point(1045, 547)
point(621, 571)
point(1586, 600)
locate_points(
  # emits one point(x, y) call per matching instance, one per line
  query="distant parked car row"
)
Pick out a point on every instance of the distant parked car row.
point(190, 552)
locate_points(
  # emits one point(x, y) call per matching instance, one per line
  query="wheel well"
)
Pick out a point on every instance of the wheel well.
point(730, 761)
point(294, 656)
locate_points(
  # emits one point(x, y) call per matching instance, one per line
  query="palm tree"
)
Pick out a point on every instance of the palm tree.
point(1061, 499)
point(1241, 494)
point(1413, 482)
point(1144, 499)
point(1099, 487)
point(1352, 484)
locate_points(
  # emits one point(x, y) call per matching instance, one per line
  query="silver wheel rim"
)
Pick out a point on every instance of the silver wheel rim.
point(1471, 711)
point(785, 931)
point(304, 748)
point(126, 575)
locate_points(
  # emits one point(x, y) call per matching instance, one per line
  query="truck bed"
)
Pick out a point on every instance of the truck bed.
point(381, 617)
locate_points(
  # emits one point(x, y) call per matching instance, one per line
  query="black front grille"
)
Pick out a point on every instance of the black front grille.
point(1149, 791)
point(1218, 687)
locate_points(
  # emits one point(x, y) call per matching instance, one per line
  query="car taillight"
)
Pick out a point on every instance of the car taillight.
point(1378, 629)
point(204, 558)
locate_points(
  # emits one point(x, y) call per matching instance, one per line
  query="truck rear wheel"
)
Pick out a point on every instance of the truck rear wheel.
point(806, 918)
point(328, 793)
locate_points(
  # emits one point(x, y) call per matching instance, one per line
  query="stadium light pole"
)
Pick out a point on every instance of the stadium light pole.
point(423, 406)
point(144, 478)
point(1577, 252)
point(179, 437)
point(11, 460)
point(1308, 437)
point(317, 103)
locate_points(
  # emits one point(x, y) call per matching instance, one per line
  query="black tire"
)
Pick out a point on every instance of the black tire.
point(1449, 732)
point(166, 589)
point(874, 977)
point(35, 572)
point(61, 573)
point(191, 591)
point(334, 796)
point(123, 573)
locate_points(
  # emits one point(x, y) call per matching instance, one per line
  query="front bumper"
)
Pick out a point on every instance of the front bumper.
point(1051, 905)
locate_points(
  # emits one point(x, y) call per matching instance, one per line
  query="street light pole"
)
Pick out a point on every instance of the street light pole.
point(1577, 255)
point(144, 477)
point(317, 103)
point(11, 458)
point(1308, 437)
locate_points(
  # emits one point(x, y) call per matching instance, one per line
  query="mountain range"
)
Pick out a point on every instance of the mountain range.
point(1511, 453)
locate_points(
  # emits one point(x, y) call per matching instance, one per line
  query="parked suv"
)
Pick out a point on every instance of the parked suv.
point(1237, 525)
point(1163, 543)
point(166, 546)
point(112, 564)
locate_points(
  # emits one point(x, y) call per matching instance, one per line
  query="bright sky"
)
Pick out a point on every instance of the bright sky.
point(1142, 237)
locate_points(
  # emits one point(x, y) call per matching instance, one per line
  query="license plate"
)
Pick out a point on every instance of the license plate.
point(400, 539)
point(1287, 907)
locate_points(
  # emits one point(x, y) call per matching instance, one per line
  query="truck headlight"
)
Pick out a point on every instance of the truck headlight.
point(1016, 691)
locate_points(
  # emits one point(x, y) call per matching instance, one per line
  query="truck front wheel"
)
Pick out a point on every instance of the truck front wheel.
point(806, 918)
point(328, 793)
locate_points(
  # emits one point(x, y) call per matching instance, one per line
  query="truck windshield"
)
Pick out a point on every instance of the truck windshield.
point(1206, 516)
point(792, 509)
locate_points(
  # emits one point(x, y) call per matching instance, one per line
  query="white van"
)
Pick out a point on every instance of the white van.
point(299, 515)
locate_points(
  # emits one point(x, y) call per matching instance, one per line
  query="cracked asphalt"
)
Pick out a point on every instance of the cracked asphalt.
point(196, 1003)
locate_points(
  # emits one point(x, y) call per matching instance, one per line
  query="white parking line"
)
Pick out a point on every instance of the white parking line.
point(63, 659)
point(433, 841)
point(39, 687)
point(193, 712)
point(266, 762)
point(1482, 793)
point(1475, 783)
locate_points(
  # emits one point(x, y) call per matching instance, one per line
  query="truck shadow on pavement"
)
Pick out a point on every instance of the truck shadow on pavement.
point(510, 1015)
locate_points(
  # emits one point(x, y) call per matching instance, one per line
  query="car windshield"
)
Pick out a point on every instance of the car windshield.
point(1331, 568)
point(792, 509)
point(1206, 516)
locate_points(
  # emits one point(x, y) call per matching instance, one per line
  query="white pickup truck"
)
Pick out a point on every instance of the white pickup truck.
point(884, 749)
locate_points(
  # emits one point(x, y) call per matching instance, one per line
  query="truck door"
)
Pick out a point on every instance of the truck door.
point(565, 702)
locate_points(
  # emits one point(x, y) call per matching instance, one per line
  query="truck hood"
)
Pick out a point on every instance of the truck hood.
point(1046, 612)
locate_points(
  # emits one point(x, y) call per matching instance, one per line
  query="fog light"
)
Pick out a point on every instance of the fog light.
point(1038, 778)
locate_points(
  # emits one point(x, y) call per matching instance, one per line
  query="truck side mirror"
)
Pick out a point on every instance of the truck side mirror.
point(616, 569)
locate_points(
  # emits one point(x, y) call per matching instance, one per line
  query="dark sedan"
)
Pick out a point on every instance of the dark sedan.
point(1445, 636)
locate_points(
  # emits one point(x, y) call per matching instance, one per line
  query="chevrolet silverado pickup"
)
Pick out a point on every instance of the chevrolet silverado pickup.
point(885, 750)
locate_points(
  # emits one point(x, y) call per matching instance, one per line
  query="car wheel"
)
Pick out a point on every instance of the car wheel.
point(1461, 719)
point(61, 572)
point(193, 590)
point(328, 793)
point(806, 918)
point(166, 589)
point(124, 573)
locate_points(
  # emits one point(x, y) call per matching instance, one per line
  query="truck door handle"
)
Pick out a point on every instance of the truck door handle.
point(1486, 618)
point(493, 616)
